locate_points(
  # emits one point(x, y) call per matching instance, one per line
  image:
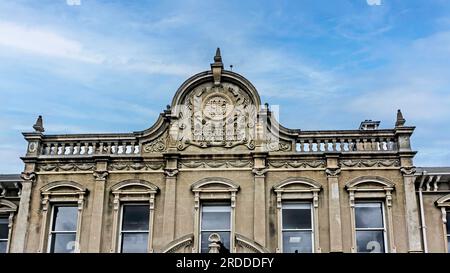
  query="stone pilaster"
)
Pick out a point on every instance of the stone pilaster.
point(20, 233)
point(171, 172)
point(334, 204)
point(259, 201)
point(98, 202)
point(403, 135)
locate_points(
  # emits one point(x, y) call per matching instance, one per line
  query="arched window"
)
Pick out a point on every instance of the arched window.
point(215, 202)
point(133, 214)
point(298, 215)
point(371, 214)
point(444, 204)
point(63, 201)
point(7, 211)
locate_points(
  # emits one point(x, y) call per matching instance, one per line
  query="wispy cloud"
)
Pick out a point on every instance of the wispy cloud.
point(44, 42)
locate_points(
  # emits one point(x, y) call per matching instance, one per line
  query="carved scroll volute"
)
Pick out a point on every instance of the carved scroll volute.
point(197, 201)
point(352, 199)
point(116, 203)
point(316, 199)
point(278, 200)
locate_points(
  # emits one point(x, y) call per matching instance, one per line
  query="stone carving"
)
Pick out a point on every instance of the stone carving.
point(408, 170)
point(193, 164)
point(66, 167)
point(28, 176)
point(121, 166)
point(100, 175)
point(32, 147)
point(215, 116)
point(259, 171)
point(274, 145)
point(214, 246)
point(157, 146)
point(333, 171)
point(361, 163)
point(297, 163)
point(171, 172)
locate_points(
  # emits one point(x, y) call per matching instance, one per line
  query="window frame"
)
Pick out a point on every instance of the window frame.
point(51, 232)
point(298, 189)
point(8, 209)
point(120, 235)
point(375, 189)
point(217, 203)
point(311, 207)
point(383, 218)
point(214, 189)
point(128, 192)
point(55, 194)
point(443, 204)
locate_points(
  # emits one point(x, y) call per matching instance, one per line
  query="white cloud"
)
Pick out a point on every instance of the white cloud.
point(44, 42)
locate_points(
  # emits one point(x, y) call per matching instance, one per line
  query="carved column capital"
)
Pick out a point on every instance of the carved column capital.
point(28, 176)
point(259, 172)
point(332, 171)
point(100, 175)
point(171, 172)
point(408, 170)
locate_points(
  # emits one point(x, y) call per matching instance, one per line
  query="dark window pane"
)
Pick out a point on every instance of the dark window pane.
point(65, 218)
point(63, 243)
point(135, 217)
point(369, 215)
point(216, 217)
point(370, 241)
point(3, 246)
point(4, 228)
point(296, 216)
point(297, 241)
point(224, 237)
point(134, 242)
point(448, 222)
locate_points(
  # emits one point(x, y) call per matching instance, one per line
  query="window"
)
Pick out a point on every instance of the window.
point(63, 229)
point(4, 231)
point(297, 227)
point(135, 228)
point(370, 227)
point(448, 231)
point(216, 218)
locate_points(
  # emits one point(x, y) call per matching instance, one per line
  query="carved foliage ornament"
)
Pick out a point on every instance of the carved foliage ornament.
point(56, 167)
point(156, 146)
point(361, 163)
point(193, 164)
point(408, 170)
point(121, 166)
point(297, 163)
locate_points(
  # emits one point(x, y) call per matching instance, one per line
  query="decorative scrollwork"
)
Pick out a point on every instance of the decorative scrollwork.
point(157, 146)
point(193, 164)
point(361, 163)
point(57, 167)
point(136, 166)
point(297, 163)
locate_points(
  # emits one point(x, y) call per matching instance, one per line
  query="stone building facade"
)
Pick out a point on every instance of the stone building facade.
point(217, 172)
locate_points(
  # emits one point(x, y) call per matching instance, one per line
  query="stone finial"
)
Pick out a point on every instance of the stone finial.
point(400, 120)
point(39, 126)
point(214, 246)
point(217, 67)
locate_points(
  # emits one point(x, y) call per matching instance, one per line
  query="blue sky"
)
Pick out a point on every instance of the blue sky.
point(112, 66)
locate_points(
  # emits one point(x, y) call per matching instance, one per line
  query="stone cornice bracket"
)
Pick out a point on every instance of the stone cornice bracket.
point(217, 67)
point(332, 171)
point(408, 170)
point(28, 176)
point(259, 172)
point(100, 175)
point(171, 172)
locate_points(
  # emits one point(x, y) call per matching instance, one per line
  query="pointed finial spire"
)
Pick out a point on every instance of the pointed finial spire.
point(400, 120)
point(217, 67)
point(218, 57)
point(39, 125)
